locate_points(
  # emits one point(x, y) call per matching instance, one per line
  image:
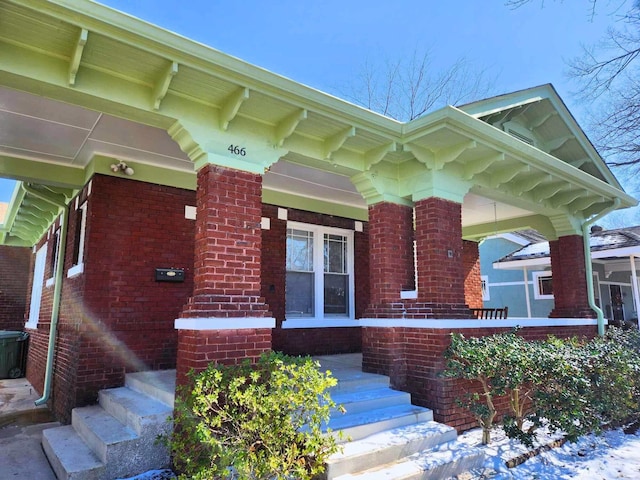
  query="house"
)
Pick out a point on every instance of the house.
point(508, 261)
point(15, 265)
point(186, 207)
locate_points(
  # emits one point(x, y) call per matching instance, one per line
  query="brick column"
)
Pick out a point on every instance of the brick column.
point(226, 320)
point(472, 277)
point(440, 265)
point(569, 278)
point(390, 258)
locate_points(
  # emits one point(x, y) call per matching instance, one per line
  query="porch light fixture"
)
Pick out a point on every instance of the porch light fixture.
point(122, 167)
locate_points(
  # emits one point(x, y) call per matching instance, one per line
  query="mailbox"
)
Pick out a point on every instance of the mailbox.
point(169, 274)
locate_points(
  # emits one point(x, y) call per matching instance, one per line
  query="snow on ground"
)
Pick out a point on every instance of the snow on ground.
point(613, 455)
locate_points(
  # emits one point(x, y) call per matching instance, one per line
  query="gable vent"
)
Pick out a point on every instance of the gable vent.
point(520, 137)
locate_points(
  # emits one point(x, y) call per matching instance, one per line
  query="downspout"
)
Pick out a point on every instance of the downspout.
point(586, 235)
point(57, 292)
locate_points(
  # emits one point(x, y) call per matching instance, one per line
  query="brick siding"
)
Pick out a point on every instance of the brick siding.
point(15, 268)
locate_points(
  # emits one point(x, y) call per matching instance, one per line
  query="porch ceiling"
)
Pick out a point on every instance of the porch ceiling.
point(82, 85)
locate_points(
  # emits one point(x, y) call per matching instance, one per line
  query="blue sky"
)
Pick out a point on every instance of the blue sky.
point(324, 44)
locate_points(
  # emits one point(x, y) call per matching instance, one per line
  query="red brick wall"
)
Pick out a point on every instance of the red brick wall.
point(417, 358)
point(312, 341)
point(228, 245)
point(472, 278)
point(200, 347)
point(114, 316)
point(390, 252)
point(15, 268)
point(439, 246)
point(569, 278)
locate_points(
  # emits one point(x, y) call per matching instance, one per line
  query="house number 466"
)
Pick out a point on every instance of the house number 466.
point(237, 150)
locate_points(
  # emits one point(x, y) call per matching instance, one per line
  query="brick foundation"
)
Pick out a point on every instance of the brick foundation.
point(569, 278)
point(414, 358)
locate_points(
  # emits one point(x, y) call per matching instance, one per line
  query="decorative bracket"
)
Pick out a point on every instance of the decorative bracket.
point(335, 142)
point(482, 164)
point(231, 106)
point(162, 86)
point(76, 55)
point(286, 127)
point(375, 155)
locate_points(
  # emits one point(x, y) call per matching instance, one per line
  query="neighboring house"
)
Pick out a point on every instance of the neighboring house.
point(185, 207)
point(506, 260)
point(15, 265)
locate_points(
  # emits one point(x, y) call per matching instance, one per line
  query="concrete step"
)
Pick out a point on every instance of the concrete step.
point(145, 415)
point(352, 379)
point(69, 455)
point(355, 426)
point(445, 461)
point(387, 447)
point(371, 398)
point(108, 438)
point(158, 384)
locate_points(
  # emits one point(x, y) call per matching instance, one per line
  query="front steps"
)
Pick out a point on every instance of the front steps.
point(385, 437)
point(117, 438)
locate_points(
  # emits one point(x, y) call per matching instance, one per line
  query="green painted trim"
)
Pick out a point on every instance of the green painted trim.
point(143, 173)
point(538, 222)
point(288, 200)
point(30, 171)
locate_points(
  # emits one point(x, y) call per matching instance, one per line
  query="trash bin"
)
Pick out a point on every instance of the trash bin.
point(13, 353)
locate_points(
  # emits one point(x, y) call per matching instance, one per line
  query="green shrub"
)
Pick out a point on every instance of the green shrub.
point(573, 386)
point(254, 422)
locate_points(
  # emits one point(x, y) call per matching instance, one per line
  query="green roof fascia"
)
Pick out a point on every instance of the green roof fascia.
point(537, 222)
point(535, 94)
point(288, 200)
point(491, 136)
point(14, 205)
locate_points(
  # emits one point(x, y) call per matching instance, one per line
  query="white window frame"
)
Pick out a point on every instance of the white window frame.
point(319, 319)
point(78, 268)
point(484, 280)
point(37, 287)
point(536, 285)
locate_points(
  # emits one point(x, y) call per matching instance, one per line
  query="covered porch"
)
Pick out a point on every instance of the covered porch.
point(113, 120)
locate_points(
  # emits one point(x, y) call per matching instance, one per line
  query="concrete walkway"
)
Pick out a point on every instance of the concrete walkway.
point(21, 425)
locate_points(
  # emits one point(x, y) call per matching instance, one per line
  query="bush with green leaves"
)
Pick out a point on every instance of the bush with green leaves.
point(254, 421)
point(573, 386)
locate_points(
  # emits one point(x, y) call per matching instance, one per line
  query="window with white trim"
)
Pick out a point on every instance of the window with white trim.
point(319, 272)
point(36, 287)
point(484, 282)
point(542, 285)
point(80, 216)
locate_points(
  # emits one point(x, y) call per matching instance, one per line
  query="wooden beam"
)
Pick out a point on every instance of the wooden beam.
point(375, 155)
point(480, 165)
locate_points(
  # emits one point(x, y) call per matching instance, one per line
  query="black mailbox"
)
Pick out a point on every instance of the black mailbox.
point(169, 274)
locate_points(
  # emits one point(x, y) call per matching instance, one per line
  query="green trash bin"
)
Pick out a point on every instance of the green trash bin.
point(13, 350)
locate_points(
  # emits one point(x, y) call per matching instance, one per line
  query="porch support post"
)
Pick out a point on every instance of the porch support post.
point(226, 320)
point(390, 258)
point(569, 278)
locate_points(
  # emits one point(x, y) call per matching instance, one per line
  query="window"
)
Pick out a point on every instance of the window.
point(319, 278)
point(36, 288)
point(53, 260)
point(484, 279)
point(80, 220)
point(542, 285)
